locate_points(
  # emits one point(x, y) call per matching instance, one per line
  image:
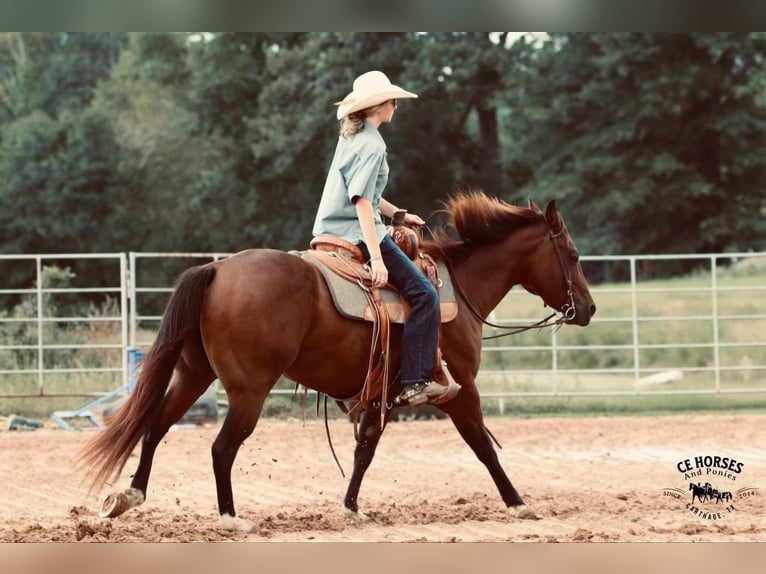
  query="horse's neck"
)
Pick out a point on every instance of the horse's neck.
point(488, 274)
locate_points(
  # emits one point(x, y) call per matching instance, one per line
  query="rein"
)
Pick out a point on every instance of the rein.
point(568, 310)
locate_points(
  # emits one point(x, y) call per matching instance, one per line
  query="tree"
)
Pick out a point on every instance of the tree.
point(13, 61)
point(229, 74)
point(449, 135)
point(462, 74)
point(61, 69)
point(161, 57)
point(61, 185)
point(145, 101)
point(649, 140)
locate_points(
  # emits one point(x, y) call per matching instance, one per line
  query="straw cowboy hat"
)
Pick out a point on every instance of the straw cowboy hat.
point(370, 89)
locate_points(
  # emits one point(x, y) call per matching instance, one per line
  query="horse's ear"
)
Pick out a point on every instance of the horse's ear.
point(552, 216)
point(532, 205)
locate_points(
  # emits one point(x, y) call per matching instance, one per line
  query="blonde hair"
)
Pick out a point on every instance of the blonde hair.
point(354, 122)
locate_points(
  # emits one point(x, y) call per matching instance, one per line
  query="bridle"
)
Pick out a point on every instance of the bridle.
point(568, 310)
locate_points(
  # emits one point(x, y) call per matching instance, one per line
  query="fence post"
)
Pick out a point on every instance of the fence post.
point(40, 324)
point(555, 366)
point(124, 315)
point(634, 313)
point(131, 287)
point(716, 339)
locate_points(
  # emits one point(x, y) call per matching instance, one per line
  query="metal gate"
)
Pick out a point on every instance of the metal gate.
point(657, 330)
point(59, 336)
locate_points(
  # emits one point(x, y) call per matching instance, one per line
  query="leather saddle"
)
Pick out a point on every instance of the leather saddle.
point(348, 278)
point(345, 273)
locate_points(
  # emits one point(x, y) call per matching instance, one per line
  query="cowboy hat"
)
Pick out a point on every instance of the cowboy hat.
point(370, 89)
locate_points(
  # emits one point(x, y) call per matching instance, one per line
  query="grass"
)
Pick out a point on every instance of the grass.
point(625, 405)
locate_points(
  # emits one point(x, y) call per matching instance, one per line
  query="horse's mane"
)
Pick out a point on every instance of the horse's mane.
point(478, 219)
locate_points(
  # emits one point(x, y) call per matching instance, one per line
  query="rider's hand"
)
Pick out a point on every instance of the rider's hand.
point(378, 272)
point(413, 220)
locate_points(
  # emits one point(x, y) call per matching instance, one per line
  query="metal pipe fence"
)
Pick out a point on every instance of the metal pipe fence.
point(56, 331)
point(666, 324)
point(700, 332)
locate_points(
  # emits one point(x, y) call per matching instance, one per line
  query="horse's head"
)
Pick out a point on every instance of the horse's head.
point(503, 245)
point(556, 275)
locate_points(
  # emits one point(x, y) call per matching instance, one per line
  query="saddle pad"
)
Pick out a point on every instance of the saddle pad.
point(351, 301)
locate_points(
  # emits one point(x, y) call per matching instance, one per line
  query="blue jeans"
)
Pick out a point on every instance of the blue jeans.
point(421, 330)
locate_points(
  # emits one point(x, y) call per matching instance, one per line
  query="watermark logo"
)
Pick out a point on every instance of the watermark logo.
point(710, 486)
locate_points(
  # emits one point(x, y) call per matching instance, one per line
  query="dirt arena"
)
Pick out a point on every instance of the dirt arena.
point(584, 480)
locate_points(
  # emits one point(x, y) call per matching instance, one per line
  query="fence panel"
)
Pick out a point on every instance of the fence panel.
point(655, 332)
point(58, 335)
point(660, 328)
point(151, 279)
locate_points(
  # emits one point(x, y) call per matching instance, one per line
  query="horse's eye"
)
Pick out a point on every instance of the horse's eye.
point(574, 256)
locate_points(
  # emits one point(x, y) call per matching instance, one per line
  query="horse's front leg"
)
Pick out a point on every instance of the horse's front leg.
point(369, 436)
point(466, 415)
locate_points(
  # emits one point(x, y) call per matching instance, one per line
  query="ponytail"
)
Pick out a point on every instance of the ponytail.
point(354, 122)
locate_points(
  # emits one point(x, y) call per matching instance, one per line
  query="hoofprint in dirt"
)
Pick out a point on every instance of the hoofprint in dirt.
point(584, 479)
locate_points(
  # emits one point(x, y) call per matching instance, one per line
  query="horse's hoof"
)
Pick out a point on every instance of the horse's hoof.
point(117, 503)
point(356, 515)
point(523, 511)
point(235, 524)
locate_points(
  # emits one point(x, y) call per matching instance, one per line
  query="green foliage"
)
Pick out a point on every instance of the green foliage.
point(228, 78)
point(60, 184)
point(162, 57)
point(216, 142)
point(650, 139)
point(58, 71)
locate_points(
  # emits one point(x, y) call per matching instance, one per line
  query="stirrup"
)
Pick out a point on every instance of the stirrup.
point(451, 384)
point(418, 394)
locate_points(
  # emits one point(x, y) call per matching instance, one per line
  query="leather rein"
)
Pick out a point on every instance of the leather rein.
point(568, 310)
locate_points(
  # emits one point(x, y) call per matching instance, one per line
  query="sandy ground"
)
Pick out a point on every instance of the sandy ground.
point(584, 480)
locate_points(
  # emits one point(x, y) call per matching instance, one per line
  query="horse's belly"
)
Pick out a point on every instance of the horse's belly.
point(271, 313)
point(338, 365)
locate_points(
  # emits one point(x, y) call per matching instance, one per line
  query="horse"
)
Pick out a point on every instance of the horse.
point(698, 492)
point(262, 313)
point(723, 497)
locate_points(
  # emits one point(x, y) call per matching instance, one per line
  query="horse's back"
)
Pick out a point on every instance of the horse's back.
point(262, 279)
point(270, 308)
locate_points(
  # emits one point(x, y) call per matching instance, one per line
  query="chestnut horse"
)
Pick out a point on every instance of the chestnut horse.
point(262, 313)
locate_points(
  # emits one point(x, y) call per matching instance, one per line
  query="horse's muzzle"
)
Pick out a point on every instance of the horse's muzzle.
point(584, 313)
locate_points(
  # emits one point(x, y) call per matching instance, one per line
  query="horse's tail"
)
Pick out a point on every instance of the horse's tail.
point(107, 453)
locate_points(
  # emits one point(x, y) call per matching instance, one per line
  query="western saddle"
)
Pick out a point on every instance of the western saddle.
point(341, 260)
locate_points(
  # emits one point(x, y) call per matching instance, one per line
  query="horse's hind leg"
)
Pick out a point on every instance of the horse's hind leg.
point(369, 436)
point(187, 386)
point(245, 405)
point(466, 415)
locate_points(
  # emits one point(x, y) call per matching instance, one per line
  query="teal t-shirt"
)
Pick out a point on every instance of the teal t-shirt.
point(359, 169)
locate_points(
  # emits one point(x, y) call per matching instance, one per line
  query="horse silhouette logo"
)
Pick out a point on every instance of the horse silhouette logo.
point(708, 493)
point(709, 480)
point(698, 492)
